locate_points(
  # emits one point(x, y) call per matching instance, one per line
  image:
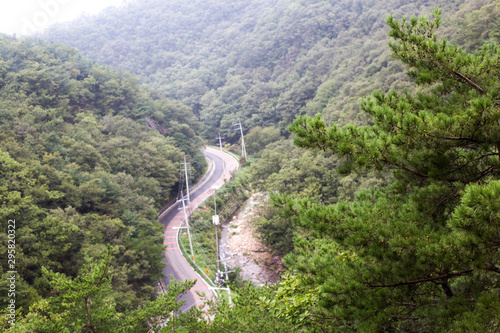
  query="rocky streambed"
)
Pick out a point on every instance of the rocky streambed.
point(242, 247)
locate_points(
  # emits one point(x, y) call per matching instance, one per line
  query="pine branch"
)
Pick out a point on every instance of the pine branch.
point(472, 161)
point(493, 268)
point(498, 326)
point(460, 139)
point(483, 174)
point(406, 304)
point(423, 175)
point(468, 81)
point(407, 283)
point(451, 195)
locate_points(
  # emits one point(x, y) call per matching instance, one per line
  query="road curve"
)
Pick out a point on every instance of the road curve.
point(177, 266)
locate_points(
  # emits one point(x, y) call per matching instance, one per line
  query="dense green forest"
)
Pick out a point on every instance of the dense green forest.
point(386, 208)
point(262, 61)
point(81, 173)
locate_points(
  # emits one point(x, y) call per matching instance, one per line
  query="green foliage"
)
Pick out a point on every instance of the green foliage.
point(291, 171)
point(477, 22)
point(87, 304)
point(247, 314)
point(421, 254)
point(262, 61)
point(475, 223)
point(293, 301)
point(424, 134)
point(79, 171)
point(258, 138)
point(287, 169)
point(276, 230)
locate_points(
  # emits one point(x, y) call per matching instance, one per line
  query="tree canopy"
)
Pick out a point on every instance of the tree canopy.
point(262, 61)
point(81, 171)
point(421, 254)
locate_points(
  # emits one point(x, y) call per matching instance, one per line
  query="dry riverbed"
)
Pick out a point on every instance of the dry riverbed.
point(243, 248)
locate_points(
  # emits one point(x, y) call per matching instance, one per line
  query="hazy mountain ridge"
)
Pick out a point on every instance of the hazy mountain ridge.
point(262, 61)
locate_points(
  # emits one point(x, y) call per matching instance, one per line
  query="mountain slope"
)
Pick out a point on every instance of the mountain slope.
point(80, 171)
point(263, 61)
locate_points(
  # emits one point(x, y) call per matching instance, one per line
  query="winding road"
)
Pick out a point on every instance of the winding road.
point(177, 266)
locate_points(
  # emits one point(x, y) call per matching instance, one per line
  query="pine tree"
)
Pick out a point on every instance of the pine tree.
point(87, 303)
point(422, 254)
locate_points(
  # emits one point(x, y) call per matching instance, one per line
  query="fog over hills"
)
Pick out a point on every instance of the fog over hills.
point(261, 61)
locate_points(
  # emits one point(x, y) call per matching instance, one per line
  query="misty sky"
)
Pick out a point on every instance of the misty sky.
point(27, 16)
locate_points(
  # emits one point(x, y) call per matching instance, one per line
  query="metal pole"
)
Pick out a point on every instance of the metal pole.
point(225, 270)
point(216, 235)
point(243, 149)
point(217, 245)
point(187, 227)
point(220, 142)
point(187, 182)
point(215, 202)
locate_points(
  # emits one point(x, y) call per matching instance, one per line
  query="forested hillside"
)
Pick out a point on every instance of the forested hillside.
point(385, 204)
point(80, 172)
point(262, 61)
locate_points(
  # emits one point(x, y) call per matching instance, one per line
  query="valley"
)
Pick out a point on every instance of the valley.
point(361, 194)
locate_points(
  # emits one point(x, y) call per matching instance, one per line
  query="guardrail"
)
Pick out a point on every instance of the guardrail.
point(208, 281)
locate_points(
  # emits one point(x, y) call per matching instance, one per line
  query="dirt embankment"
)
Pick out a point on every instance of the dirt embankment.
point(244, 249)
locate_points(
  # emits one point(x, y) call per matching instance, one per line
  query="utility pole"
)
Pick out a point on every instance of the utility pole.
point(243, 149)
point(219, 275)
point(220, 142)
point(216, 222)
point(187, 197)
point(187, 227)
point(187, 181)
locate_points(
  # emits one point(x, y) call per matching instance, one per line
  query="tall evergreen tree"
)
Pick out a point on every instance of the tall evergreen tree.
point(422, 254)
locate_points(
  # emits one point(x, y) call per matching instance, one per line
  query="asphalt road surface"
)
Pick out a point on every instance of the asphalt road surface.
point(177, 266)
